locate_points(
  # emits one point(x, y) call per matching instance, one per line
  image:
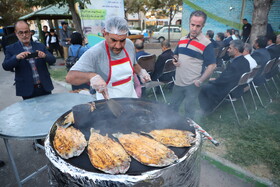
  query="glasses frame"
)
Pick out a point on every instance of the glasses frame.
point(21, 33)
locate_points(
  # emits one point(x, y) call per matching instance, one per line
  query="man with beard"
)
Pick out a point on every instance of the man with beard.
point(214, 92)
point(109, 65)
point(195, 61)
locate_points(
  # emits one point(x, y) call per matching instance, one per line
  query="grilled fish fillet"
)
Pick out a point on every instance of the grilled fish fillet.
point(69, 142)
point(173, 137)
point(147, 150)
point(69, 118)
point(107, 155)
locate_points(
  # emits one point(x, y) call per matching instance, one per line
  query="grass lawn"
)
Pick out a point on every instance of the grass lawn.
point(254, 145)
point(58, 74)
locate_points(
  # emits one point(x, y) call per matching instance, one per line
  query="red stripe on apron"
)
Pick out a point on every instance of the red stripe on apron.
point(109, 58)
point(121, 82)
point(118, 62)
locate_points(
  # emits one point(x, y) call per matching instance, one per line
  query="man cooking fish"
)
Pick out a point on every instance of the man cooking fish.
point(110, 64)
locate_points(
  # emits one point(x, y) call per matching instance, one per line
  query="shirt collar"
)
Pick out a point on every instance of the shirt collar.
point(199, 36)
point(24, 45)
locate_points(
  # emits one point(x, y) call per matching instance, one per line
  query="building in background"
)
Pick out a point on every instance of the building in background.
point(227, 14)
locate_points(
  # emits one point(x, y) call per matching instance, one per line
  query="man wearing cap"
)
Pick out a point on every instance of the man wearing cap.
point(109, 65)
point(64, 35)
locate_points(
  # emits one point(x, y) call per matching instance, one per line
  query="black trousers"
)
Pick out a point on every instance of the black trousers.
point(56, 47)
point(38, 91)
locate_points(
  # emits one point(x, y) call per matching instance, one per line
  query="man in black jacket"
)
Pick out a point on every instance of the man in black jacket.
point(166, 54)
point(246, 30)
point(272, 48)
point(214, 92)
point(261, 56)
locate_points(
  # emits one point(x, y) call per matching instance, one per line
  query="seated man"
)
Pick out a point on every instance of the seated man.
point(166, 54)
point(139, 48)
point(247, 54)
point(228, 38)
point(213, 93)
point(272, 48)
point(210, 36)
point(219, 46)
point(262, 56)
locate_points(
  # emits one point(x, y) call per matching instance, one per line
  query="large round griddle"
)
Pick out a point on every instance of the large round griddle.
point(139, 115)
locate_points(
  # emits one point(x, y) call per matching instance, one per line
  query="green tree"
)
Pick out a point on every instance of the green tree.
point(70, 3)
point(11, 10)
point(162, 8)
point(137, 6)
point(167, 8)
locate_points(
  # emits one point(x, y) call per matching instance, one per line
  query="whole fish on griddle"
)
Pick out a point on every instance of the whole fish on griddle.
point(147, 150)
point(69, 142)
point(173, 137)
point(106, 154)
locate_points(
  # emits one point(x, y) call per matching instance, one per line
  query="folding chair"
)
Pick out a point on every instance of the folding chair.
point(219, 58)
point(253, 73)
point(242, 81)
point(269, 74)
point(278, 67)
point(148, 62)
point(168, 69)
point(266, 69)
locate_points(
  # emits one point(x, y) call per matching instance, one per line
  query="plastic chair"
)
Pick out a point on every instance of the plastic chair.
point(168, 69)
point(242, 81)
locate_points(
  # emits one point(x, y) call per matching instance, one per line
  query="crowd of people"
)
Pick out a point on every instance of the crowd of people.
point(197, 56)
point(110, 67)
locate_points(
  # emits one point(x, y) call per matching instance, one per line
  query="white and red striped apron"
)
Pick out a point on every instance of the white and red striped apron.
point(120, 80)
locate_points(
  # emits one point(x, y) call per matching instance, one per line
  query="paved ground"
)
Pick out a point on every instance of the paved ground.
point(28, 160)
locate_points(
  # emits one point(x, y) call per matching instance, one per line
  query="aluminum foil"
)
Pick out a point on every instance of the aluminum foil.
point(185, 172)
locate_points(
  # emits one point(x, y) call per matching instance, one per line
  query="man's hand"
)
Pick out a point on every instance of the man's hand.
point(98, 84)
point(41, 54)
point(22, 55)
point(175, 61)
point(197, 83)
point(144, 76)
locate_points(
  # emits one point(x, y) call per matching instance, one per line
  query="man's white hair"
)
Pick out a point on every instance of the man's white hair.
point(116, 25)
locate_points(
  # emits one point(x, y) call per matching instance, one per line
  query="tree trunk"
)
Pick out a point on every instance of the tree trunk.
point(260, 17)
point(51, 24)
point(56, 28)
point(75, 16)
point(169, 23)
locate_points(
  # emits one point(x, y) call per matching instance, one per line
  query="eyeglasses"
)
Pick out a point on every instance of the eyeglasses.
point(21, 33)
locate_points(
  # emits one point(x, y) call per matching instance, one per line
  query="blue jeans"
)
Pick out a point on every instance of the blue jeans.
point(189, 94)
